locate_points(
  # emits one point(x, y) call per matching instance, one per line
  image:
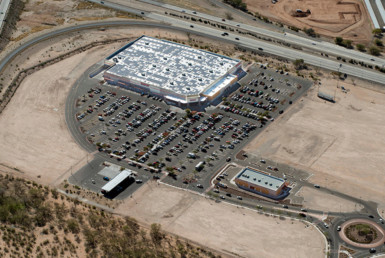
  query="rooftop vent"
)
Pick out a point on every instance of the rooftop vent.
point(167, 69)
point(147, 43)
point(153, 65)
point(183, 74)
point(255, 178)
point(265, 183)
point(200, 79)
point(172, 83)
point(190, 64)
point(271, 184)
point(119, 57)
point(143, 74)
point(165, 58)
point(199, 57)
point(259, 180)
point(211, 71)
point(188, 88)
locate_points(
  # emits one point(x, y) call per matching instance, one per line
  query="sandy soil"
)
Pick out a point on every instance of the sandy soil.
point(314, 199)
point(224, 227)
point(340, 143)
point(34, 134)
point(40, 15)
point(333, 18)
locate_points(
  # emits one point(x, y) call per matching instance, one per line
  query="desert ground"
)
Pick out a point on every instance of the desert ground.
point(230, 229)
point(42, 15)
point(340, 143)
point(317, 200)
point(347, 18)
point(34, 134)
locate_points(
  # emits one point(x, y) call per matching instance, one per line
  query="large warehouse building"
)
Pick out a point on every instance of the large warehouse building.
point(181, 75)
point(261, 183)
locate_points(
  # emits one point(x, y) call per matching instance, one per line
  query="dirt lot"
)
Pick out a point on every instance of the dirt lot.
point(224, 227)
point(332, 18)
point(340, 143)
point(314, 199)
point(34, 134)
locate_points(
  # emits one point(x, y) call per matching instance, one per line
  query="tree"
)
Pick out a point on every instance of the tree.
point(310, 32)
point(156, 233)
point(377, 32)
point(360, 47)
point(348, 43)
point(237, 4)
point(73, 226)
point(188, 112)
point(339, 41)
point(379, 43)
point(170, 169)
point(374, 51)
point(299, 64)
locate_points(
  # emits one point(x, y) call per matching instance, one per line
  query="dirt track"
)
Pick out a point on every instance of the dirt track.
point(332, 18)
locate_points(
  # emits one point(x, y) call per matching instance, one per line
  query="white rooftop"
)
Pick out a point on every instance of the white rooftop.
point(117, 180)
point(170, 65)
point(261, 179)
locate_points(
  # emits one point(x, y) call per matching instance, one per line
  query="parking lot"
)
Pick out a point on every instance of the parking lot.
point(142, 132)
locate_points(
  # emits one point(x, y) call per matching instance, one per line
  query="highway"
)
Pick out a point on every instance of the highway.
point(277, 50)
point(312, 44)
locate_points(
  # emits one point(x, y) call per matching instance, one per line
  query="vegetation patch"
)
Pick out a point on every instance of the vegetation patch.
point(37, 221)
point(361, 233)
